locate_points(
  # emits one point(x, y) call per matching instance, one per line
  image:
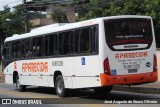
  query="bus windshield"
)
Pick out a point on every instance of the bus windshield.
point(128, 33)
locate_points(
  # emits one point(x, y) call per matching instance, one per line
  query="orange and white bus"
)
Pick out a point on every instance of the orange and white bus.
point(95, 54)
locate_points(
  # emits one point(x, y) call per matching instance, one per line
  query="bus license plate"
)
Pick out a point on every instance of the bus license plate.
point(132, 66)
point(132, 70)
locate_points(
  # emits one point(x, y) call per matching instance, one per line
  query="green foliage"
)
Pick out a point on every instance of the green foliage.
point(34, 15)
point(101, 8)
point(59, 17)
point(15, 25)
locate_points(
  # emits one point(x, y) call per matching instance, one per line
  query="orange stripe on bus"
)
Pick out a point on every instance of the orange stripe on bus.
point(128, 79)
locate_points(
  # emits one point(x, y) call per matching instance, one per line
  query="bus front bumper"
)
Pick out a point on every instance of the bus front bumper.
point(132, 79)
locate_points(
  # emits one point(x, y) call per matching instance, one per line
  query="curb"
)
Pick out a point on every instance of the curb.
point(146, 90)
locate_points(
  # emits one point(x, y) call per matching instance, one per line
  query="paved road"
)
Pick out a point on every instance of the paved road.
point(80, 97)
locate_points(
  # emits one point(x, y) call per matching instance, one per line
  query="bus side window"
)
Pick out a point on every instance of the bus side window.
point(13, 50)
point(56, 45)
point(49, 45)
point(66, 43)
point(71, 42)
point(34, 47)
point(95, 39)
point(40, 46)
point(76, 41)
point(6, 53)
point(85, 40)
point(61, 43)
point(19, 50)
point(47, 38)
point(23, 49)
point(37, 47)
point(26, 49)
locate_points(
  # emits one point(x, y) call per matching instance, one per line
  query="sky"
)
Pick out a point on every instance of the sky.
point(10, 3)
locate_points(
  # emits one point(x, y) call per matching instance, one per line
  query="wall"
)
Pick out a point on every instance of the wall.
point(41, 22)
point(69, 11)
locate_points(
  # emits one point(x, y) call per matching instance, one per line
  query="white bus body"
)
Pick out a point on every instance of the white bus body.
point(112, 57)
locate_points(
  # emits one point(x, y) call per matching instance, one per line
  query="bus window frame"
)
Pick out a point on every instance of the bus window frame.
point(113, 20)
point(9, 50)
point(56, 45)
point(79, 38)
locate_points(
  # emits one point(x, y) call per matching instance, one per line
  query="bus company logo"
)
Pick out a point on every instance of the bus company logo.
point(148, 64)
point(15, 66)
point(35, 67)
point(131, 55)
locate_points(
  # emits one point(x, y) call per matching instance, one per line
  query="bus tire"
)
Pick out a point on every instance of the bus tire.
point(20, 87)
point(59, 86)
point(103, 90)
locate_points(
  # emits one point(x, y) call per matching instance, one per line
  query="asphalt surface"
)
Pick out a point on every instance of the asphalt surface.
point(152, 88)
point(84, 98)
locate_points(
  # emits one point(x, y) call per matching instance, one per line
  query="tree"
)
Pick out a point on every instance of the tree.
point(3, 15)
point(101, 8)
point(14, 25)
point(59, 16)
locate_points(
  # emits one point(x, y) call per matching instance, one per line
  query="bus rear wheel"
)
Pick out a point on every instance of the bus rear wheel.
point(59, 86)
point(103, 90)
point(20, 87)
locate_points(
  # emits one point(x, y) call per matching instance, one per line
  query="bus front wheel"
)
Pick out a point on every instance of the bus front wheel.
point(59, 86)
point(103, 90)
point(20, 87)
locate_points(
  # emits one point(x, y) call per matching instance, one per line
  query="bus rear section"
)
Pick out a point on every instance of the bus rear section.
point(130, 52)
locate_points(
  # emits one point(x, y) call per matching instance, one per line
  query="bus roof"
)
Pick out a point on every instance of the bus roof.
point(58, 27)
